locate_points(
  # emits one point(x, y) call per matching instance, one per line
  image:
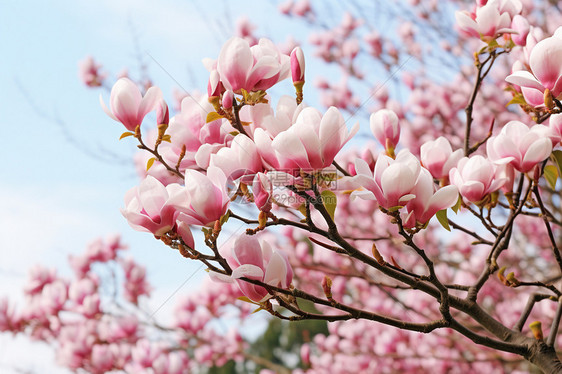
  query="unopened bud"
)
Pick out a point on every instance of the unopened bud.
point(297, 65)
point(227, 99)
point(377, 255)
point(548, 99)
point(262, 219)
point(512, 280)
point(536, 329)
point(217, 227)
point(501, 275)
point(386, 128)
point(327, 287)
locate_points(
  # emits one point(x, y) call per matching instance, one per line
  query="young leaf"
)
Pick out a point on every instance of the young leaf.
point(551, 175)
point(213, 116)
point(330, 201)
point(557, 159)
point(442, 218)
point(150, 163)
point(517, 99)
point(225, 217)
point(125, 134)
point(457, 205)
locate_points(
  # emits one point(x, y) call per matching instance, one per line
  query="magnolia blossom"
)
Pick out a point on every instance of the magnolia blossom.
point(129, 107)
point(521, 26)
point(204, 199)
point(428, 200)
point(251, 68)
point(476, 177)
point(241, 158)
point(272, 122)
point(438, 157)
point(392, 181)
point(189, 129)
point(520, 146)
point(385, 127)
point(310, 144)
point(545, 62)
point(151, 206)
point(489, 20)
point(402, 182)
point(256, 260)
point(88, 71)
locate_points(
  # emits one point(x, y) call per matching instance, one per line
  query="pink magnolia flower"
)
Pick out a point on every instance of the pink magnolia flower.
point(189, 128)
point(476, 177)
point(545, 62)
point(38, 277)
point(311, 143)
point(151, 206)
point(128, 106)
point(241, 158)
point(489, 20)
point(385, 127)
point(204, 199)
point(392, 182)
point(428, 200)
point(256, 260)
point(520, 146)
point(262, 116)
point(521, 26)
point(438, 157)
point(251, 68)
point(135, 283)
point(88, 71)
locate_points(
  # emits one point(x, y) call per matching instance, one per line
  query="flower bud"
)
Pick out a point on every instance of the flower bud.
point(385, 127)
point(536, 329)
point(327, 287)
point(227, 99)
point(297, 65)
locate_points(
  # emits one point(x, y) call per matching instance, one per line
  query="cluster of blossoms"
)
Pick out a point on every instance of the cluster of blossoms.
point(92, 331)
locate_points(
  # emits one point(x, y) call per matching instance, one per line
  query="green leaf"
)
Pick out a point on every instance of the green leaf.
point(442, 218)
point(330, 202)
point(551, 175)
point(457, 206)
point(225, 217)
point(557, 159)
point(125, 134)
point(517, 99)
point(395, 208)
point(246, 299)
point(257, 310)
point(234, 133)
point(213, 116)
point(150, 163)
point(245, 94)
